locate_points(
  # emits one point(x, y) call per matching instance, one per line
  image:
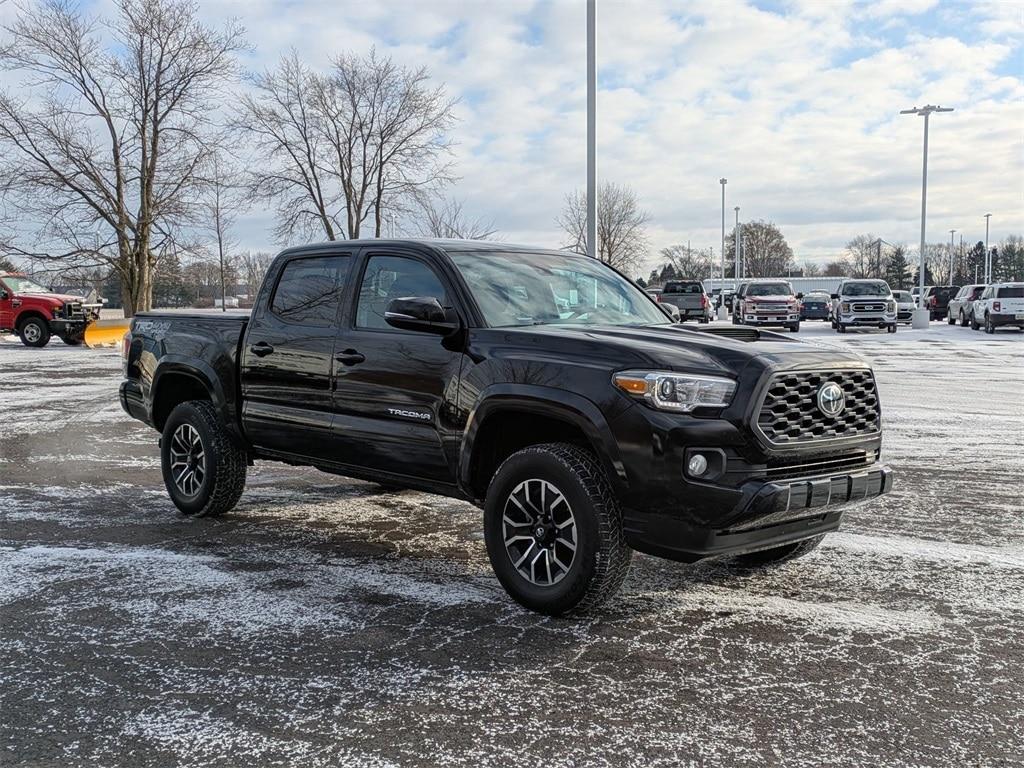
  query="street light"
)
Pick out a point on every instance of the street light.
point(951, 255)
point(988, 259)
point(723, 182)
point(592, 250)
point(738, 244)
point(921, 314)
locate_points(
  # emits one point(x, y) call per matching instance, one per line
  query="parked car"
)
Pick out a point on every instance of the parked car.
point(583, 433)
point(916, 293)
point(36, 313)
point(999, 305)
point(689, 297)
point(671, 309)
point(815, 306)
point(905, 306)
point(864, 304)
point(959, 307)
point(736, 302)
point(768, 302)
point(936, 299)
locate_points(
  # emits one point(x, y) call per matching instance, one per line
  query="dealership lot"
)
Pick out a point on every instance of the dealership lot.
point(330, 622)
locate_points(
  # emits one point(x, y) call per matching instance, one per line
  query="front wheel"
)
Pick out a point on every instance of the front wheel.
point(34, 332)
point(840, 328)
point(203, 469)
point(553, 530)
point(795, 327)
point(892, 328)
point(963, 319)
point(778, 555)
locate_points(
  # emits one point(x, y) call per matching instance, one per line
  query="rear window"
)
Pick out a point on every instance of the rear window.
point(945, 294)
point(309, 290)
point(1012, 292)
point(684, 288)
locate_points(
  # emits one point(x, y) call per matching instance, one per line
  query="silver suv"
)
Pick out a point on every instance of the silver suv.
point(864, 304)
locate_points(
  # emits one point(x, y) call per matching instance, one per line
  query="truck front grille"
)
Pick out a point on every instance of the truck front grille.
point(878, 306)
point(788, 469)
point(790, 415)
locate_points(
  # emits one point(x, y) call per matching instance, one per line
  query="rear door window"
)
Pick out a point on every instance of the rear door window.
point(309, 290)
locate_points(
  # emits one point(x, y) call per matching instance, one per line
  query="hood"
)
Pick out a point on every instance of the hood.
point(772, 297)
point(56, 298)
point(666, 347)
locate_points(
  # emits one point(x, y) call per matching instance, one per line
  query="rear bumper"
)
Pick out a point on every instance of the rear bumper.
point(765, 515)
point(814, 314)
point(131, 400)
point(1005, 319)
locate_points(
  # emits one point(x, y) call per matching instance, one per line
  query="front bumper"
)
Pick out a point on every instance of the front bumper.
point(773, 318)
point(765, 514)
point(869, 320)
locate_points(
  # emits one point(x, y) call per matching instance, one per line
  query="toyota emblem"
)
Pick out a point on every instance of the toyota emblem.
point(831, 399)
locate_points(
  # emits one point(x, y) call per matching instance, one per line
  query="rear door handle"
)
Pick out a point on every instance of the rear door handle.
point(350, 357)
point(262, 349)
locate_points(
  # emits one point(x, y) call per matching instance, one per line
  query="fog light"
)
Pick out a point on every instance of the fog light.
point(697, 465)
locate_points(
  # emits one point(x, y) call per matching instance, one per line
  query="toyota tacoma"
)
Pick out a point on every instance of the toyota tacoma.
point(542, 386)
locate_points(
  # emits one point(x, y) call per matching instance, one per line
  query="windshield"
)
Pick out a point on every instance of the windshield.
point(547, 289)
point(769, 289)
point(23, 285)
point(866, 289)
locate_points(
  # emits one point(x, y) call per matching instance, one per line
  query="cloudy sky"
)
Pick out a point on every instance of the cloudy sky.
point(795, 102)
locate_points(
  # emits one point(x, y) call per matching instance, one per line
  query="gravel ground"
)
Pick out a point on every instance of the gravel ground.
point(328, 622)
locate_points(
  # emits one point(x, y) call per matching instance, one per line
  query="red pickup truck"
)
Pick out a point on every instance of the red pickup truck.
point(36, 314)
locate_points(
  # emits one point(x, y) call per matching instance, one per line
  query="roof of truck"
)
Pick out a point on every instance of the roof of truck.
point(439, 243)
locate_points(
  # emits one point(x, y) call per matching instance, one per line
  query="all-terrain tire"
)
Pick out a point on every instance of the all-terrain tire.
point(778, 555)
point(601, 558)
point(225, 462)
point(34, 332)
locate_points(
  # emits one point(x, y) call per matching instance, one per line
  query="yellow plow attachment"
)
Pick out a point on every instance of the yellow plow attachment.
point(106, 333)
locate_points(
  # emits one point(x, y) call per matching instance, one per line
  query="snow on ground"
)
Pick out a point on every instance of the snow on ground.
point(330, 622)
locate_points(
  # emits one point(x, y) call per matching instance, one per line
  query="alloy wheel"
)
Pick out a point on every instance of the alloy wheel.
point(539, 531)
point(188, 460)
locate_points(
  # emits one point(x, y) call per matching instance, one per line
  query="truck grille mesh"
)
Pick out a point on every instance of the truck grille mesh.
point(789, 413)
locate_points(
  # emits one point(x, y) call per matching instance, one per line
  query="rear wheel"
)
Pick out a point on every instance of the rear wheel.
point(203, 469)
point(553, 529)
point(34, 332)
point(778, 555)
point(974, 322)
point(989, 327)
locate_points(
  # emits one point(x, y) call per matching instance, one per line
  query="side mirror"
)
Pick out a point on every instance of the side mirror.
point(835, 295)
point(799, 295)
point(419, 313)
point(4, 296)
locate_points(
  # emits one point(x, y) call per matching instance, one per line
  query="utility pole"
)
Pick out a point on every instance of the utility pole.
point(922, 315)
point(592, 247)
point(988, 259)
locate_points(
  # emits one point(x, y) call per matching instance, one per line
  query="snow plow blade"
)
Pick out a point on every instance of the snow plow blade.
point(106, 333)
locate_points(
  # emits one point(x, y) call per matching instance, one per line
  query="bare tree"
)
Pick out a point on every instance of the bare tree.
point(764, 251)
point(343, 148)
point(106, 154)
point(222, 201)
point(689, 263)
point(864, 256)
point(254, 266)
point(621, 223)
point(448, 219)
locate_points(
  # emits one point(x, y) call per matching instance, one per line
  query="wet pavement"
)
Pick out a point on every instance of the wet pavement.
point(332, 622)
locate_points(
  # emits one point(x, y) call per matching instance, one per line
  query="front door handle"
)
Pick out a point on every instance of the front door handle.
point(262, 349)
point(350, 357)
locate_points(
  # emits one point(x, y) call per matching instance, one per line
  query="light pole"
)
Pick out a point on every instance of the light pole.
point(722, 314)
point(988, 261)
point(737, 245)
point(921, 314)
point(951, 255)
point(592, 249)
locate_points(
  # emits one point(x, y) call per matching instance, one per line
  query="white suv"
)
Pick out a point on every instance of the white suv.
point(1001, 304)
point(864, 304)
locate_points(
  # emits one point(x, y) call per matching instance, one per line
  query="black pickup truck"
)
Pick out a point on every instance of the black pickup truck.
point(540, 385)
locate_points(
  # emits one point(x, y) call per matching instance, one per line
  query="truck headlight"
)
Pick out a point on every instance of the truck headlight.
point(844, 307)
point(681, 392)
point(890, 307)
